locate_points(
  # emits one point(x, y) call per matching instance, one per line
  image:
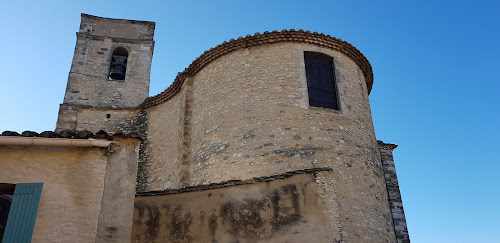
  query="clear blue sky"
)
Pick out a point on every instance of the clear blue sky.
point(436, 88)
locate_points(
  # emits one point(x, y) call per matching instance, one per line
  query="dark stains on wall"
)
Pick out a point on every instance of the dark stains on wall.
point(306, 152)
point(290, 154)
point(212, 225)
point(153, 218)
point(149, 217)
point(286, 207)
point(181, 219)
point(110, 231)
point(244, 218)
point(253, 218)
point(271, 209)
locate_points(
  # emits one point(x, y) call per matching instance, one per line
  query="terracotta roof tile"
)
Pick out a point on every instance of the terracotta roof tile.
point(72, 135)
point(235, 182)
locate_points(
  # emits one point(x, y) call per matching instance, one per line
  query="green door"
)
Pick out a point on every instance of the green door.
point(22, 215)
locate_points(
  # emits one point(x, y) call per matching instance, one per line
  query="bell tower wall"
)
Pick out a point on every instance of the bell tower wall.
point(109, 74)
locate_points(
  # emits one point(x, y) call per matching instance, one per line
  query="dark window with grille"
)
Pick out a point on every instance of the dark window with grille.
point(320, 76)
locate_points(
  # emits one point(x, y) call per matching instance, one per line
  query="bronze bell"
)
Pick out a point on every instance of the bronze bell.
point(116, 73)
point(118, 67)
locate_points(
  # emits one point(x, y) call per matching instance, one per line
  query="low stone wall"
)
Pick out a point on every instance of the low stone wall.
point(268, 209)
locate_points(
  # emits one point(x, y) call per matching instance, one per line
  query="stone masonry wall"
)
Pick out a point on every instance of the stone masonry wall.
point(396, 203)
point(78, 118)
point(250, 110)
point(282, 208)
point(119, 28)
point(162, 165)
point(90, 95)
point(88, 83)
point(248, 115)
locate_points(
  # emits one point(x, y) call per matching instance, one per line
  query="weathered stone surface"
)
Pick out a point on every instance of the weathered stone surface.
point(78, 118)
point(164, 145)
point(90, 95)
point(287, 210)
point(117, 28)
point(246, 114)
point(392, 184)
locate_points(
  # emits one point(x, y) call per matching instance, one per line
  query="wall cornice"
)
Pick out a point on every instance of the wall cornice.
point(114, 39)
point(386, 146)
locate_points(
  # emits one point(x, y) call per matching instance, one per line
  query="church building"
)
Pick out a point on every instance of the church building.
point(263, 138)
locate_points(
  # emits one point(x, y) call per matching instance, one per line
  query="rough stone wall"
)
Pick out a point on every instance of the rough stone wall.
point(396, 203)
point(88, 83)
point(278, 210)
point(252, 106)
point(251, 118)
point(248, 115)
point(78, 118)
point(119, 28)
point(161, 168)
point(73, 186)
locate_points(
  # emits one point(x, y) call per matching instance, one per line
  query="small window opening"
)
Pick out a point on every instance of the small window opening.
point(118, 65)
point(321, 85)
point(6, 192)
point(108, 116)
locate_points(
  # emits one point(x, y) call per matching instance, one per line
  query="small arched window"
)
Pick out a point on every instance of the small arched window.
point(118, 65)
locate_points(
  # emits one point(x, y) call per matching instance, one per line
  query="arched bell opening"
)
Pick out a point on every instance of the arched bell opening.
point(118, 64)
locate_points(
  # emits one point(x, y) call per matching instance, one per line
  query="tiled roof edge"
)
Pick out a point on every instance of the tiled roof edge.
point(73, 135)
point(257, 39)
point(234, 182)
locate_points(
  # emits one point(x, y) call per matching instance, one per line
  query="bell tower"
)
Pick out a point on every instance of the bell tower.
point(109, 73)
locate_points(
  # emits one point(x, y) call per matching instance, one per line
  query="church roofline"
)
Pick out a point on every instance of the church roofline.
point(258, 39)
